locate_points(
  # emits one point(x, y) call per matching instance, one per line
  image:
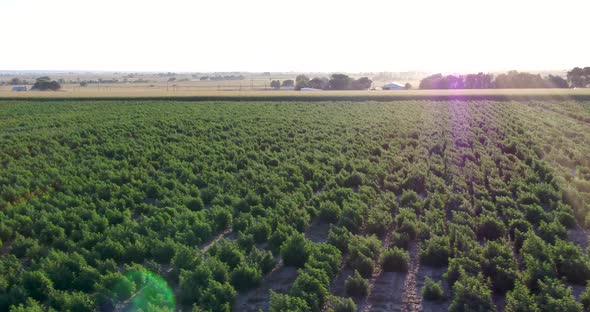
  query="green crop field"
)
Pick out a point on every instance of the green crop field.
point(405, 205)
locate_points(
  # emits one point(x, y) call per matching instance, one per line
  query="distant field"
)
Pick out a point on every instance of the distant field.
point(162, 93)
point(300, 206)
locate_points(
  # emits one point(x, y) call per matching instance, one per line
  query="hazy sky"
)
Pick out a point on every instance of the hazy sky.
point(300, 35)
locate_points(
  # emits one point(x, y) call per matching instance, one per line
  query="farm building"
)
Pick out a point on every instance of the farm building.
point(394, 86)
point(19, 89)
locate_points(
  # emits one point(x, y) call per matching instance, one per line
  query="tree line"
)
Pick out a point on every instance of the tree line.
point(577, 77)
point(335, 82)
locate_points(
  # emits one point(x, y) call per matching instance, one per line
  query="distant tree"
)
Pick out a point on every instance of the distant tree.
point(479, 81)
point(275, 84)
point(45, 83)
point(301, 81)
point(407, 86)
point(15, 81)
point(432, 82)
point(363, 83)
point(340, 82)
point(514, 79)
point(319, 83)
point(289, 83)
point(579, 77)
point(83, 83)
point(556, 82)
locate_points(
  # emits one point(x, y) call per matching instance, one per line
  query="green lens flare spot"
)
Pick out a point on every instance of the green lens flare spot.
point(152, 293)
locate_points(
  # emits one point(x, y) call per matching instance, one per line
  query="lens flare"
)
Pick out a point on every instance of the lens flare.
point(153, 293)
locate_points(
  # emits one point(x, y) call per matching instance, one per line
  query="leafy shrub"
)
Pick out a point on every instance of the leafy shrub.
point(352, 216)
point(499, 265)
point(432, 290)
point(227, 252)
point(330, 212)
point(310, 288)
point(362, 252)
point(490, 228)
point(295, 250)
point(435, 251)
point(536, 270)
point(356, 285)
point(520, 299)
point(340, 304)
point(555, 296)
point(470, 293)
point(260, 231)
point(395, 260)
point(401, 240)
point(571, 262)
point(549, 232)
point(37, 284)
point(378, 221)
point(339, 237)
point(407, 222)
point(460, 266)
point(279, 236)
point(287, 303)
point(534, 213)
point(408, 199)
point(218, 296)
point(585, 298)
point(245, 277)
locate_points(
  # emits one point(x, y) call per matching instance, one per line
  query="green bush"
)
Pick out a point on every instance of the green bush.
point(295, 250)
point(356, 285)
point(245, 277)
point(401, 240)
point(571, 262)
point(378, 221)
point(585, 298)
point(432, 290)
point(520, 299)
point(312, 288)
point(339, 237)
point(499, 265)
point(470, 293)
point(555, 296)
point(287, 303)
point(435, 251)
point(330, 212)
point(490, 228)
point(395, 260)
point(340, 304)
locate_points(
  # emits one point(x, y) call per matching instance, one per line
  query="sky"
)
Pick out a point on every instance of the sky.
point(302, 35)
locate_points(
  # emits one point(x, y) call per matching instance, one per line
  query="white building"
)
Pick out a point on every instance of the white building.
point(394, 86)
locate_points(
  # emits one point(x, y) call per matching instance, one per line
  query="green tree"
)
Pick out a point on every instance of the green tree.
point(45, 83)
point(301, 81)
point(275, 84)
